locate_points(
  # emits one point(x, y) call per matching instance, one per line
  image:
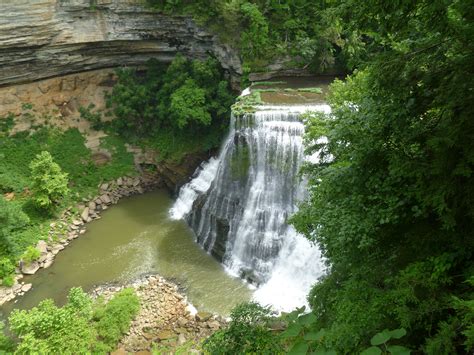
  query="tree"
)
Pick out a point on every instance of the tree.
point(392, 200)
point(49, 182)
point(188, 104)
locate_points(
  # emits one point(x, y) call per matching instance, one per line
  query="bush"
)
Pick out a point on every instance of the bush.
point(31, 254)
point(12, 220)
point(8, 281)
point(6, 267)
point(248, 332)
point(80, 327)
point(49, 182)
point(113, 319)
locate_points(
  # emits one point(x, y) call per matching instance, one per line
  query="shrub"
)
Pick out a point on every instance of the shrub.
point(248, 332)
point(6, 267)
point(49, 182)
point(113, 319)
point(80, 327)
point(12, 220)
point(31, 254)
point(8, 281)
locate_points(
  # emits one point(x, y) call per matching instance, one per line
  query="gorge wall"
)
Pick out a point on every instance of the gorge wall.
point(44, 39)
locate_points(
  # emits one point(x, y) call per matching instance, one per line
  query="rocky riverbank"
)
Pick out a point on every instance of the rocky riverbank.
point(166, 320)
point(72, 224)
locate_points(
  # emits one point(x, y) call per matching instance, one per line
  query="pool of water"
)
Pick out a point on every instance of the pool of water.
point(133, 238)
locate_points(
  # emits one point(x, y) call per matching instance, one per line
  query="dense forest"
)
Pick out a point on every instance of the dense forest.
point(390, 203)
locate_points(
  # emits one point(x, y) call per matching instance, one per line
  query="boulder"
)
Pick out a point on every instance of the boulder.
point(26, 287)
point(120, 351)
point(48, 262)
point(31, 268)
point(85, 214)
point(92, 206)
point(165, 335)
point(203, 316)
point(42, 246)
point(105, 199)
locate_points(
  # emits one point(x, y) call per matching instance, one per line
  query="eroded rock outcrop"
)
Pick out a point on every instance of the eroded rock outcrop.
point(47, 38)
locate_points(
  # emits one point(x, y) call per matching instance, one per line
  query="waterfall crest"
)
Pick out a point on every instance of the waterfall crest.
point(238, 205)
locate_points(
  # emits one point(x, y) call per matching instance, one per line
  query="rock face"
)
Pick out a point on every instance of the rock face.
point(41, 39)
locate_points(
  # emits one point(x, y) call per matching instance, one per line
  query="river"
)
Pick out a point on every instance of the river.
point(133, 238)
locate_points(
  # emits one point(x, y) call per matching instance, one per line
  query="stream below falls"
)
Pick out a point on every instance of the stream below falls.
point(133, 238)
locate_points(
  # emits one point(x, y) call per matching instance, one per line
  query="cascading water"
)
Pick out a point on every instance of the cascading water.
point(238, 205)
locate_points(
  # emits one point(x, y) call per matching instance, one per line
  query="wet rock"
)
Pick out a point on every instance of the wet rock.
point(57, 248)
point(203, 316)
point(48, 263)
point(31, 268)
point(26, 287)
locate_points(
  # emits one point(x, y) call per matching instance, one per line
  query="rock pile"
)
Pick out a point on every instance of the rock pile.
point(165, 317)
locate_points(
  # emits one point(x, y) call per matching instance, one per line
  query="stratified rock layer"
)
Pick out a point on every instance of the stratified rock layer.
point(47, 38)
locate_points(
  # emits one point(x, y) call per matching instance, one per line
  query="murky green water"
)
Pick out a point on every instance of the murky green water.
point(133, 238)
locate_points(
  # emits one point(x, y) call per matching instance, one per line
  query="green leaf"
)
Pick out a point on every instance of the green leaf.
point(307, 319)
point(299, 348)
point(398, 333)
point(373, 350)
point(292, 331)
point(381, 338)
point(398, 350)
point(314, 336)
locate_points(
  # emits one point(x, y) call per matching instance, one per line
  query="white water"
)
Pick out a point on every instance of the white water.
point(197, 186)
point(238, 206)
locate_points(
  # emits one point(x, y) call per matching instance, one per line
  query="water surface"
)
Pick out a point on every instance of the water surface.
point(133, 238)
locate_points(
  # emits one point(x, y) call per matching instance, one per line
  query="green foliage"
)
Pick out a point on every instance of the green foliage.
point(310, 32)
point(247, 104)
point(6, 267)
point(114, 318)
point(6, 124)
point(76, 327)
point(187, 102)
point(31, 254)
point(7, 345)
point(248, 332)
point(49, 182)
point(95, 118)
point(22, 224)
point(391, 200)
point(8, 281)
point(12, 220)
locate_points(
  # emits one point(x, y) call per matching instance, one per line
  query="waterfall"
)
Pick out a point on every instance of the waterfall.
point(238, 205)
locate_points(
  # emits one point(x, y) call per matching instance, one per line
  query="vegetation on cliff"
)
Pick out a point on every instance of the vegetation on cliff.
point(300, 33)
point(177, 109)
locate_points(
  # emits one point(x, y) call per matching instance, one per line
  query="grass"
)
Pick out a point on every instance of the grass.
point(246, 104)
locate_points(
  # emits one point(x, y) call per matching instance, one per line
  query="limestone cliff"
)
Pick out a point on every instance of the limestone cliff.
point(41, 39)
